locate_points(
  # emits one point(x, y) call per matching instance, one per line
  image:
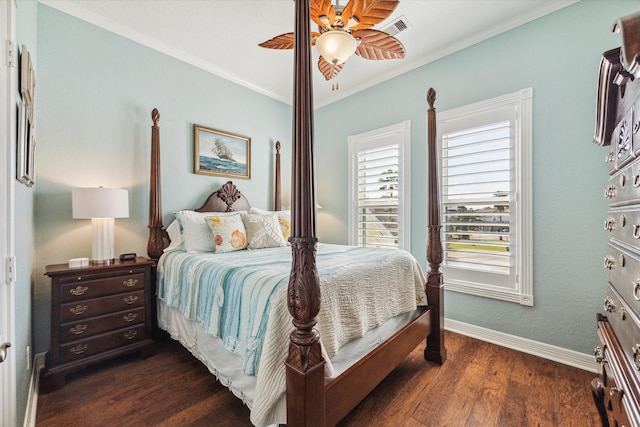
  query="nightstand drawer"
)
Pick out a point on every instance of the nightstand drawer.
point(100, 343)
point(98, 306)
point(84, 287)
point(77, 330)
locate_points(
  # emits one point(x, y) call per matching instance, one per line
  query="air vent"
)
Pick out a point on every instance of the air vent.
point(397, 26)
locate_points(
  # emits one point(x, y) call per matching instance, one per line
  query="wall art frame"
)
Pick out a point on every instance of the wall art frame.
point(219, 153)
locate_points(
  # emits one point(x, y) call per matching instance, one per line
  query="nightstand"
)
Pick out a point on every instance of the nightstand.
point(97, 312)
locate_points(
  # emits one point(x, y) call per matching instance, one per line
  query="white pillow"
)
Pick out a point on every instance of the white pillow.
point(284, 218)
point(228, 232)
point(195, 232)
point(263, 231)
point(175, 235)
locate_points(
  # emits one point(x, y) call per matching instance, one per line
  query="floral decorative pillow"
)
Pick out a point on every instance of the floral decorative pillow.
point(196, 234)
point(228, 231)
point(263, 231)
point(284, 218)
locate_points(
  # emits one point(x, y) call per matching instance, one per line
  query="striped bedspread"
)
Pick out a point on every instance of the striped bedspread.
point(241, 298)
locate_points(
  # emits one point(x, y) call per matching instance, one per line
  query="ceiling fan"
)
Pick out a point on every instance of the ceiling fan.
point(345, 30)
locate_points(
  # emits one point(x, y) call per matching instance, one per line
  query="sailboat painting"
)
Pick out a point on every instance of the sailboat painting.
point(221, 154)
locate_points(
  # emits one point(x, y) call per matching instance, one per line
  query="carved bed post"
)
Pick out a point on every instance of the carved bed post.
point(304, 365)
point(435, 350)
point(277, 204)
point(155, 245)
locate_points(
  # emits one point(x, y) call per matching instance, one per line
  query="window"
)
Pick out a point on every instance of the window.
point(379, 190)
point(485, 160)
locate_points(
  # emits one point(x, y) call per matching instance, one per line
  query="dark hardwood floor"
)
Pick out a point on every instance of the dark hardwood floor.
point(481, 384)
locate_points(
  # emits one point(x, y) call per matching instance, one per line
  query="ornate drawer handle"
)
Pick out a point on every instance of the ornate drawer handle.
point(130, 299)
point(610, 192)
point(78, 309)
point(609, 224)
point(130, 283)
point(130, 335)
point(130, 317)
point(636, 180)
point(599, 355)
point(609, 157)
point(609, 305)
point(613, 390)
point(609, 262)
point(80, 290)
point(636, 355)
point(78, 329)
point(79, 349)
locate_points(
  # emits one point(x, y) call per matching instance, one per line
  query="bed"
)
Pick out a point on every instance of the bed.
point(308, 378)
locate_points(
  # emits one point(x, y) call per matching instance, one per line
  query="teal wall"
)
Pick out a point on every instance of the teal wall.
point(96, 92)
point(26, 34)
point(558, 56)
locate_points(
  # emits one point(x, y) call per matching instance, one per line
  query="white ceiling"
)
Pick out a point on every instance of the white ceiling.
point(222, 36)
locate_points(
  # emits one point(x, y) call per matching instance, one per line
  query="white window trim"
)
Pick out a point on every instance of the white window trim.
point(522, 102)
point(371, 138)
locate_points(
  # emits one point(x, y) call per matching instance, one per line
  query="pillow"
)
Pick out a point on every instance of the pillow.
point(263, 231)
point(284, 218)
point(228, 232)
point(175, 235)
point(195, 232)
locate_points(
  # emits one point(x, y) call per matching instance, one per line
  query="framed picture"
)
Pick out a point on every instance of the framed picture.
point(221, 154)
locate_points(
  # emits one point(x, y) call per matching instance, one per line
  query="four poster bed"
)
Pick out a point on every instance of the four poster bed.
point(296, 363)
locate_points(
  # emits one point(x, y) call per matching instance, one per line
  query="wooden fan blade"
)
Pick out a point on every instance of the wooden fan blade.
point(327, 69)
point(318, 8)
point(368, 12)
point(377, 45)
point(283, 41)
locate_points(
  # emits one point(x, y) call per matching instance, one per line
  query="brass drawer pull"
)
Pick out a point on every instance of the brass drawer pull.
point(636, 355)
point(79, 349)
point(609, 224)
point(78, 329)
point(613, 390)
point(609, 157)
point(609, 262)
point(599, 355)
point(130, 317)
point(80, 290)
point(130, 335)
point(130, 283)
point(610, 192)
point(130, 299)
point(609, 305)
point(78, 309)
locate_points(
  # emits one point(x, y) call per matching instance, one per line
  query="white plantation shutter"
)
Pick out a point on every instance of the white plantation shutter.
point(485, 161)
point(378, 170)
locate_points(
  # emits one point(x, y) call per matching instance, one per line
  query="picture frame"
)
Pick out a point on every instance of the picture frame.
point(219, 153)
point(25, 148)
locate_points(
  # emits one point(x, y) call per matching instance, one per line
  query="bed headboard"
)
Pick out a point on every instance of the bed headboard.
point(227, 199)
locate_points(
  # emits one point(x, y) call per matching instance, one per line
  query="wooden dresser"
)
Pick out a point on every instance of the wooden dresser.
point(616, 390)
point(97, 312)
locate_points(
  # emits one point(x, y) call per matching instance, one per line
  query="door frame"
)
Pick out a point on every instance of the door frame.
point(8, 90)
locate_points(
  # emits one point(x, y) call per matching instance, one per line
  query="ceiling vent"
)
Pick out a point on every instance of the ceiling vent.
point(397, 26)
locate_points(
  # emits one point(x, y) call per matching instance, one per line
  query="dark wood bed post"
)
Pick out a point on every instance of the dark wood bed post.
point(277, 203)
point(304, 365)
point(155, 244)
point(435, 350)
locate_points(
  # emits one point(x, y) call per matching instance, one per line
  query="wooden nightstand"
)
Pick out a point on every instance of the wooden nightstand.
point(97, 312)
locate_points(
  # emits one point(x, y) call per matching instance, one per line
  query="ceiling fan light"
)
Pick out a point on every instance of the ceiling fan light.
point(336, 46)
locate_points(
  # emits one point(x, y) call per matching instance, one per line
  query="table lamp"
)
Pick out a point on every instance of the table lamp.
point(102, 205)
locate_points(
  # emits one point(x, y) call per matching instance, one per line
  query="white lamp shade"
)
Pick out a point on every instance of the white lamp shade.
point(336, 46)
point(100, 203)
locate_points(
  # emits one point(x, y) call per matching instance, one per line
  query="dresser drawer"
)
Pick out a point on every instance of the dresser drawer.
point(624, 225)
point(87, 287)
point(77, 330)
point(101, 343)
point(626, 324)
point(624, 273)
point(98, 306)
point(623, 187)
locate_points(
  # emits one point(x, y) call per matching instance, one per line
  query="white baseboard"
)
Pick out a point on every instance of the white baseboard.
point(32, 402)
point(546, 351)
